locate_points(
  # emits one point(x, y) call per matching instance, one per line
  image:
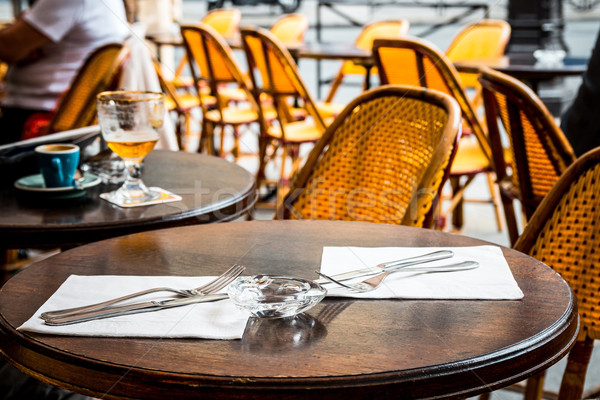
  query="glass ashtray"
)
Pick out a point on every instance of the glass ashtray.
point(269, 296)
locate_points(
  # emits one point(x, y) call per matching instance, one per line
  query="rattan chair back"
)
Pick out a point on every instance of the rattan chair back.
point(290, 29)
point(539, 152)
point(564, 233)
point(100, 72)
point(383, 159)
point(213, 65)
point(389, 29)
point(274, 72)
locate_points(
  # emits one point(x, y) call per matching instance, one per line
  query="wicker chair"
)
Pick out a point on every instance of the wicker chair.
point(77, 106)
point(290, 29)
point(382, 29)
point(564, 233)
point(213, 65)
point(539, 152)
point(226, 22)
point(280, 81)
point(384, 159)
point(487, 38)
point(417, 62)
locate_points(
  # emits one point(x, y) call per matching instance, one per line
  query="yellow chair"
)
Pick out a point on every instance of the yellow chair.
point(378, 30)
point(77, 106)
point(384, 159)
point(480, 40)
point(213, 65)
point(417, 62)
point(226, 22)
point(290, 29)
point(182, 104)
point(563, 233)
point(280, 81)
point(539, 152)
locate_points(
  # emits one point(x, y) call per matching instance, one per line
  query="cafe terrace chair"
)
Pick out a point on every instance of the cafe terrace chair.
point(564, 233)
point(538, 151)
point(485, 39)
point(227, 24)
point(182, 103)
point(418, 63)
point(77, 106)
point(275, 74)
point(213, 65)
point(384, 159)
point(290, 29)
point(378, 30)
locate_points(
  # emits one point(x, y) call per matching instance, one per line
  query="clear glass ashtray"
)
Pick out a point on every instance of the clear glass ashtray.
point(269, 296)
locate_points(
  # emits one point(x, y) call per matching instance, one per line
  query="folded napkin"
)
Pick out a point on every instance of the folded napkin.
point(491, 280)
point(213, 320)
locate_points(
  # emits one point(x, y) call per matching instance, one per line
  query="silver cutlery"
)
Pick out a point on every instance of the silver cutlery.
point(133, 309)
point(374, 282)
point(391, 266)
point(209, 288)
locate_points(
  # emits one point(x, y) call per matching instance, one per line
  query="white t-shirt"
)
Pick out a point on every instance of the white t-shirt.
point(76, 28)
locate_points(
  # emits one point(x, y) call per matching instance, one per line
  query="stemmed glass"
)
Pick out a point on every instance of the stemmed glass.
point(129, 121)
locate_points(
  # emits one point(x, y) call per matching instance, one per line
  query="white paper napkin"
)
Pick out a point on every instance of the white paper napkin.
point(213, 320)
point(491, 280)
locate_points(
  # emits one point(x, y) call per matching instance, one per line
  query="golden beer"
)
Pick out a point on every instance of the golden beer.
point(133, 144)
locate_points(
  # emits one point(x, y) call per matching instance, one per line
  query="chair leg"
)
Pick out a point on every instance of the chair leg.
point(337, 81)
point(534, 388)
point(495, 201)
point(574, 375)
point(511, 218)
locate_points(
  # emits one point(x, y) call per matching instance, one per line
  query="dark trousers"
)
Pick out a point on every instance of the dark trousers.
point(12, 122)
point(581, 121)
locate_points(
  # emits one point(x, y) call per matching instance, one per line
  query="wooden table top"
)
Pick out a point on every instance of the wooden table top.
point(212, 190)
point(342, 348)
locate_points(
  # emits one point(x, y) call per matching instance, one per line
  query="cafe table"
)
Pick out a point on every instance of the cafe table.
point(342, 348)
point(211, 190)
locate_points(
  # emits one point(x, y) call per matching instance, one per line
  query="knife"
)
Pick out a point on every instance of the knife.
point(133, 309)
point(390, 266)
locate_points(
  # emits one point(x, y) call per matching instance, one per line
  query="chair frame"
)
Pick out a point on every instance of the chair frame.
point(272, 46)
point(339, 77)
point(86, 114)
point(520, 100)
point(208, 77)
point(448, 72)
point(444, 153)
point(579, 356)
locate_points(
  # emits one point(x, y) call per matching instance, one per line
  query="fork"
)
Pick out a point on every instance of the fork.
point(211, 287)
point(374, 282)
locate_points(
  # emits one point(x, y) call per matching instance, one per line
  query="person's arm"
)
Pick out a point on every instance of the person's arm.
point(19, 41)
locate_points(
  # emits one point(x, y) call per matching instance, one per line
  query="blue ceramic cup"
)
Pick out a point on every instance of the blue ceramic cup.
point(58, 163)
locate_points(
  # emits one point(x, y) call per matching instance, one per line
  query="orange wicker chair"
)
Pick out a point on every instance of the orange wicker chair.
point(77, 107)
point(182, 103)
point(539, 151)
point(419, 63)
point(384, 159)
point(280, 81)
point(382, 29)
point(564, 233)
point(487, 38)
point(290, 29)
point(213, 65)
point(226, 22)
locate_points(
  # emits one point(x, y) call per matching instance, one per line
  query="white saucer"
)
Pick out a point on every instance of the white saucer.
point(35, 183)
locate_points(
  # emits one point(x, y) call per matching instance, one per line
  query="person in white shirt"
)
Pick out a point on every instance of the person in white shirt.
point(45, 47)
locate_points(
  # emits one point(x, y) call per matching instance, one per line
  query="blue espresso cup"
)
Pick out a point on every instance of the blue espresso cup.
point(58, 163)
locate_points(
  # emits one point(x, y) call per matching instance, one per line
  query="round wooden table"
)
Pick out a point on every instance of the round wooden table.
point(212, 190)
point(342, 348)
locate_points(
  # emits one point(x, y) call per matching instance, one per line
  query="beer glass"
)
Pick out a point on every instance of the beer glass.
point(129, 121)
